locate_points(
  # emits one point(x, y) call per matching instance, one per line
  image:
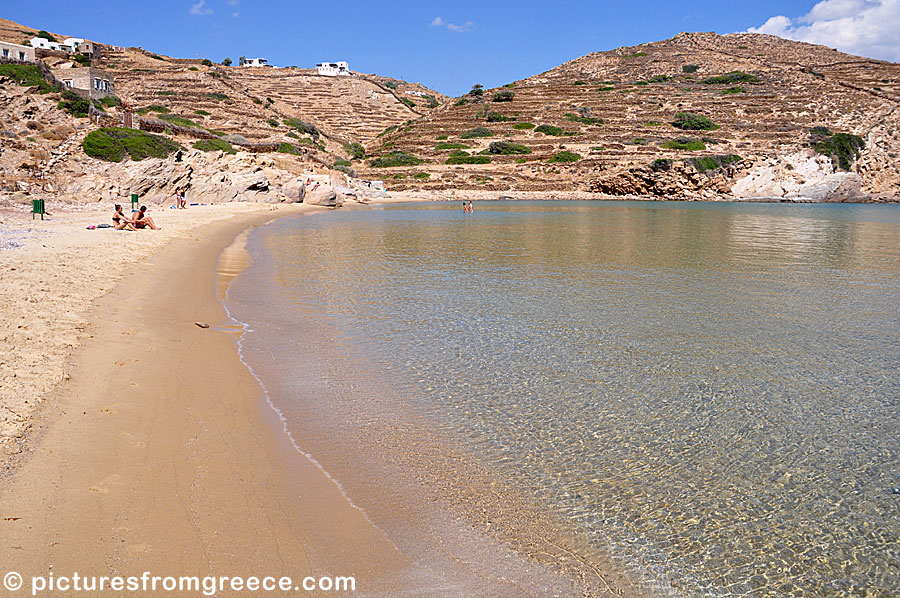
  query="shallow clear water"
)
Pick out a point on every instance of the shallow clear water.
point(708, 392)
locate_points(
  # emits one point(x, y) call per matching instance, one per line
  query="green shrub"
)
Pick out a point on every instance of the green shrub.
point(390, 85)
point(504, 95)
point(587, 120)
point(218, 96)
point(821, 131)
point(345, 169)
point(523, 126)
point(461, 102)
point(477, 90)
point(733, 90)
point(288, 148)
point(26, 75)
point(495, 117)
point(226, 62)
point(82, 59)
point(193, 68)
point(74, 104)
point(157, 57)
point(689, 68)
point(422, 176)
point(637, 141)
point(272, 122)
point(166, 92)
point(641, 83)
point(635, 55)
point(510, 85)
point(606, 88)
point(506, 148)
point(440, 137)
point(688, 121)
point(459, 152)
point(214, 145)
point(564, 157)
point(548, 130)
point(197, 112)
point(408, 102)
point(206, 62)
point(596, 149)
point(155, 108)
point(842, 148)
point(112, 144)
point(477, 132)
point(180, 121)
point(659, 79)
point(705, 163)
point(661, 164)
point(387, 131)
point(305, 127)
point(468, 160)
point(110, 101)
point(355, 150)
point(43, 34)
point(654, 123)
point(395, 158)
point(732, 77)
point(450, 145)
point(521, 160)
point(341, 162)
point(307, 141)
point(684, 143)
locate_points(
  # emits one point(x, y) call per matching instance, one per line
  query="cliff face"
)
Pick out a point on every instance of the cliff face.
point(615, 110)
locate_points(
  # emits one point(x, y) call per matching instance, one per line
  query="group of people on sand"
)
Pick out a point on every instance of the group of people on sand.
point(138, 219)
point(468, 208)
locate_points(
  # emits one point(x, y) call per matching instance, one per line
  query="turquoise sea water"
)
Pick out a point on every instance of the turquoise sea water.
point(708, 393)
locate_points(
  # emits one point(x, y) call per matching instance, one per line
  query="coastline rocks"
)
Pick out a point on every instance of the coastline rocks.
point(802, 177)
point(294, 191)
point(324, 195)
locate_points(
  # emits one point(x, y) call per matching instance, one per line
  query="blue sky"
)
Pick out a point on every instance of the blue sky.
point(449, 46)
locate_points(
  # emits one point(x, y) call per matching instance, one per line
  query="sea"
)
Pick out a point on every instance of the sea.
point(701, 397)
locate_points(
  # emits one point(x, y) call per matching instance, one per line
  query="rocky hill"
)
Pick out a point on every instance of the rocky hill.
point(255, 102)
point(764, 102)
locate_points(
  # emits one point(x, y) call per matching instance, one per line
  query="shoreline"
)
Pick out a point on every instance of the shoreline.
point(156, 450)
point(154, 454)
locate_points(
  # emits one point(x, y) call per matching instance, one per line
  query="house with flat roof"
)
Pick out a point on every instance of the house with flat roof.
point(333, 69)
point(90, 81)
point(254, 62)
point(71, 45)
point(16, 52)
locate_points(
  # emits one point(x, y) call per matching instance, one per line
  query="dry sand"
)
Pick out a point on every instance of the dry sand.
point(140, 442)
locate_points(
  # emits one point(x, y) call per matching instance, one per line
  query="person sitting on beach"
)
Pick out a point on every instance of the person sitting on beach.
point(141, 220)
point(120, 221)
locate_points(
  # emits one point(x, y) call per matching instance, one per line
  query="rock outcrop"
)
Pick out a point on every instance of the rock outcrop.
point(801, 176)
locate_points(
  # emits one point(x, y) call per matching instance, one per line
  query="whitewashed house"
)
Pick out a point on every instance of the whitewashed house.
point(46, 44)
point(333, 69)
point(254, 62)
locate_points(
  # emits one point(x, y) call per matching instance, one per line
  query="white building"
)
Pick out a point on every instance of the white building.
point(333, 69)
point(46, 44)
point(254, 62)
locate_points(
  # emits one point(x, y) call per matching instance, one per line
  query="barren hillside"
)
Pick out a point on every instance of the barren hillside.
point(614, 110)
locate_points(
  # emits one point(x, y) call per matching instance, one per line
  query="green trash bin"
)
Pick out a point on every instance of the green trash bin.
point(37, 207)
point(134, 201)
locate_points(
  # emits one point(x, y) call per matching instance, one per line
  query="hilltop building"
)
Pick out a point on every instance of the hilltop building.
point(15, 52)
point(254, 62)
point(92, 82)
point(333, 69)
point(71, 45)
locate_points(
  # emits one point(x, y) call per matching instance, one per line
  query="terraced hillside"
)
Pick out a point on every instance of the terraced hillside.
point(254, 102)
point(614, 110)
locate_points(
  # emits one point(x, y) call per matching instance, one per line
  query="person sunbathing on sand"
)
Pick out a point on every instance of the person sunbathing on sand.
point(141, 220)
point(120, 221)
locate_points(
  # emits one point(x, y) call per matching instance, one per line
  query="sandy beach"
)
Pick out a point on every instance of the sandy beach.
point(137, 441)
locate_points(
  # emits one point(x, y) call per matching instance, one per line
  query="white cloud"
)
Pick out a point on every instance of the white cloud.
point(863, 27)
point(234, 15)
point(440, 22)
point(200, 8)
